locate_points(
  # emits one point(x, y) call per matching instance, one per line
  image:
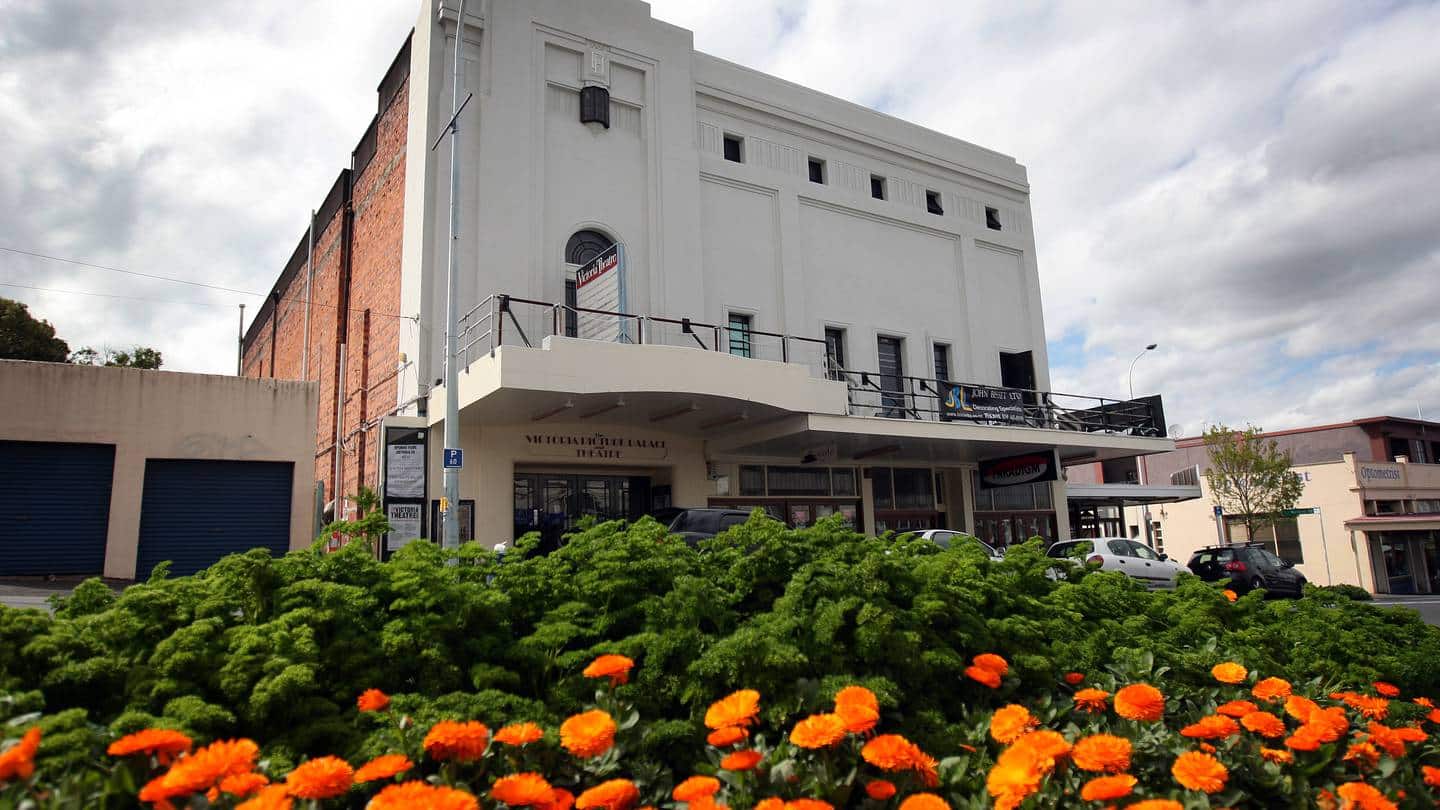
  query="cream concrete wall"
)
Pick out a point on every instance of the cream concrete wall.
point(163, 415)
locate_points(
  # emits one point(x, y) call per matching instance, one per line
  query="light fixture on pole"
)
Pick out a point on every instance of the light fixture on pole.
point(1149, 348)
point(1145, 508)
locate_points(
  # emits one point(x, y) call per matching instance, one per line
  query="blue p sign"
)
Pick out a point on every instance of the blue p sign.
point(453, 458)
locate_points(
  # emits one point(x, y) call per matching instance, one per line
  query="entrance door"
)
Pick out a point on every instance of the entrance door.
point(1396, 554)
point(554, 504)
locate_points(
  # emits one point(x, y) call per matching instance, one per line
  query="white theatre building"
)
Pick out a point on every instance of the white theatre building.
point(785, 300)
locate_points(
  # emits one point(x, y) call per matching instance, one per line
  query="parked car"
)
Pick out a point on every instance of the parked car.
point(1132, 558)
point(694, 525)
point(944, 537)
point(1248, 567)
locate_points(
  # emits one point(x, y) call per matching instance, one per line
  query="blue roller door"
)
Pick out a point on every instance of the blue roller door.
point(54, 507)
point(195, 512)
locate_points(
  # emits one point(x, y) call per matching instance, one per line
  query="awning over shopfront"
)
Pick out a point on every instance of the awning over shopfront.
point(1131, 494)
point(1395, 523)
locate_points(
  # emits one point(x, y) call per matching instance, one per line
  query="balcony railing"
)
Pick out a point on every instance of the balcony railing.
point(501, 320)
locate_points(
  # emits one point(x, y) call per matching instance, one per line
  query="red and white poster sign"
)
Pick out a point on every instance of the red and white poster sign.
point(600, 285)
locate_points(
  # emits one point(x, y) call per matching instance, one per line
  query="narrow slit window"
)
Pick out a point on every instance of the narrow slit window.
point(932, 203)
point(734, 149)
point(740, 335)
point(877, 186)
point(817, 171)
point(992, 218)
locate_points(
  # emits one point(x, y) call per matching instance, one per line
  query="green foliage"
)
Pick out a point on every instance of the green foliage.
point(371, 527)
point(25, 337)
point(1354, 592)
point(1250, 476)
point(137, 357)
point(278, 649)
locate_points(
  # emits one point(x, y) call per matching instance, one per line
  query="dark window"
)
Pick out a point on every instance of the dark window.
point(817, 171)
point(834, 351)
point(798, 480)
point(932, 202)
point(913, 488)
point(880, 483)
point(844, 482)
point(740, 335)
point(877, 187)
point(1017, 370)
point(892, 372)
point(942, 362)
point(572, 324)
point(1287, 540)
point(731, 521)
point(595, 106)
point(992, 218)
point(733, 151)
point(1120, 548)
point(586, 245)
point(752, 480)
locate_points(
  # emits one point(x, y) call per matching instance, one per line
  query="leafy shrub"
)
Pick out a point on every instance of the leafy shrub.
point(1353, 592)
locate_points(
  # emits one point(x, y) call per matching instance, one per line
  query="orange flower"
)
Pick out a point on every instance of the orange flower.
point(1237, 708)
point(858, 707)
point(1372, 708)
point(808, 804)
point(519, 734)
point(1329, 725)
point(1230, 595)
point(1271, 689)
point(696, 787)
point(202, 770)
point(463, 742)
point(1007, 724)
point(1211, 727)
point(1108, 788)
point(1103, 753)
point(1432, 775)
point(1364, 797)
point(1304, 739)
point(1424, 701)
point(372, 700)
point(1047, 745)
point(1277, 755)
point(1156, 804)
point(992, 662)
point(818, 731)
point(164, 744)
point(1016, 775)
point(881, 789)
point(522, 790)
point(1229, 672)
point(892, 752)
point(615, 667)
point(411, 795)
point(243, 784)
point(18, 761)
point(616, 794)
point(1074, 678)
point(1365, 755)
point(383, 767)
point(272, 797)
point(1386, 689)
point(1301, 708)
point(927, 767)
point(588, 734)
point(988, 677)
point(770, 803)
point(1198, 771)
point(320, 778)
point(736, 709)
point(1433, 716)
point(730, 735)
point(924, 801)
point(560, 799)
point(1264, 723)
point(1091, 700)
point(741, 760)
point(1392, 740)
point(1140, 701)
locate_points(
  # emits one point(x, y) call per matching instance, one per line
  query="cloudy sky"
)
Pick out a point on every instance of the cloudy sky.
point(1253, 186)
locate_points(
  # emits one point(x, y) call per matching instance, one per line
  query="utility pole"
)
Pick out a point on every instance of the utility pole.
point(450, 503)
point(240, 345)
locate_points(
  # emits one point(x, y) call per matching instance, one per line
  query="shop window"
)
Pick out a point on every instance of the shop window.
point(992, 218)
point(734, 148)
point(817, 171)
point(1373, 508)
point(884, 492)
point(877, 187)
point(740, 334)
point(752, 480)
point(1426, 506)
point(843, 481)
point(798, 480)
point(913, 488)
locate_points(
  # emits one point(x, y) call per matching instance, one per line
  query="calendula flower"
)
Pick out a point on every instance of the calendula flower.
point(522, 790)
point(1108, 788)
point(462, 742)
point(729, 735)
point(1386, 689)
point(890, 752)
point(272, 797)
point(588, 734)
point(1074, 678)
point(736, 709)
point(161, 743)
point(924, 801)
point(1392, 740)
point(1423, 701)
point(992, 662)
point(560, 799)
point(1237, 708)
point(1230, 595)
point(1199, 771)
point(1365, 755)
point(1363, 796)
point(1300, 707)
point(1277, 755)
point(858, 707)
point(243, 784)
point(1212, 727)
point(1092, 700)
point(1229, 672)
point(988, 677)
point(1016, 775)
point(770, 803)
point(741, 760)
point(1007, 724)
point(1264, 723)
point(1372, 708)
point(18, 761)
point(385, 766)
point(372, 700)
point(881, 789)
point(616, 794)
point(1271, 689)
point(202, 770)
point(696, 787)
point(818, 731)
point(1047, 745)
point(1102, 753)
point(808, 804)
point(615, 667)
point(1432, 775)
point(320, 778)
point(519, 734)
point(1156, 804)
point(1140, 701)
point(413, 795)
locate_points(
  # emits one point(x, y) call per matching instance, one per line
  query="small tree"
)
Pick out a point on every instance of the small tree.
point(1250, 476)
point(25, 337)
point(138, 357)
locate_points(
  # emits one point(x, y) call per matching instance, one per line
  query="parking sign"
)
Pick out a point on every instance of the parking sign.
point(453, 458)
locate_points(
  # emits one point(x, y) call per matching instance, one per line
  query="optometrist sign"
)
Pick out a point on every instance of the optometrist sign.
point(1011, 471)
point(600, 284)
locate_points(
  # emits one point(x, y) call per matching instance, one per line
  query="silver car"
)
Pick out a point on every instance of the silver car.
point(945, 537)
point(1132, 558)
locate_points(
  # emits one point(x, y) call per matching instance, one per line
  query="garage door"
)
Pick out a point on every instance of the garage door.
point(55, 507)
point(195, 512)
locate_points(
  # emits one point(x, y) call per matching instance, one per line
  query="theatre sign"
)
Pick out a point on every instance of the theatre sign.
point(596, 446)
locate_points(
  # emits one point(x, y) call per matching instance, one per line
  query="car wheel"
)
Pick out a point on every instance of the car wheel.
point(1256, 583)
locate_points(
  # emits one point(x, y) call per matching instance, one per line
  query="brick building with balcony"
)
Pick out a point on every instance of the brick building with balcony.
point(684, 283)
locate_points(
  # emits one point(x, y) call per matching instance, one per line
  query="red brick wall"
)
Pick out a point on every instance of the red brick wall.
point(356, 266)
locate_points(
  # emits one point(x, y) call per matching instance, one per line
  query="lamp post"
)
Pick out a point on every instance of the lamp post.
point(1149, 348)
point(1144, 509)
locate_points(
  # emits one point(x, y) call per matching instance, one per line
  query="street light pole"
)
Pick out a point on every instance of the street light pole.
point(1145, 508)
point(450, 513)
point(1149, 348)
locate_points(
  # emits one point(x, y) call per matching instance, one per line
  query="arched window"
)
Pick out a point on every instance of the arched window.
point(586, 245)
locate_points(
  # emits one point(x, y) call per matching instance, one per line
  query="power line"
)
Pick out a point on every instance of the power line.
point(109, 295)
point(130, 272)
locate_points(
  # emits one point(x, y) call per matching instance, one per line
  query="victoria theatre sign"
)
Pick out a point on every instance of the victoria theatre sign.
point(595, 446)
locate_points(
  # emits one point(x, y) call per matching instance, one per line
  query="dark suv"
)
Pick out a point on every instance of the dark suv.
point(1249, 567)
point(694, 525)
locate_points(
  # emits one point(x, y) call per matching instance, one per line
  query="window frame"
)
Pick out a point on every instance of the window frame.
point(812, 164)
point(992, 218)
point(726, 140)
point(933, 202)
point(879, 183)
point(746, 327)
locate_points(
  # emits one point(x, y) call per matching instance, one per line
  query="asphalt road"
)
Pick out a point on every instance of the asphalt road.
point(1428, 605)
